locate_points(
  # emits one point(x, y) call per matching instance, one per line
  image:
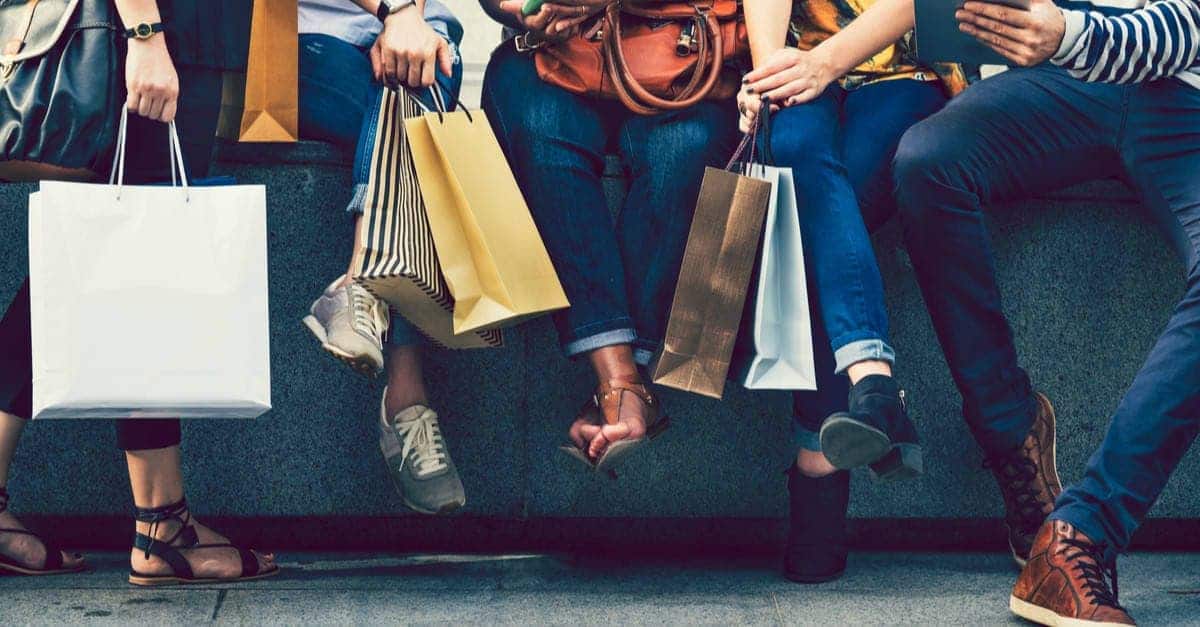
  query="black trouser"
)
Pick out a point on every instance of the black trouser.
point(147, 162)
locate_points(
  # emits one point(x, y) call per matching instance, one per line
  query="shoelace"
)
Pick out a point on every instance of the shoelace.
point(366, 309)
point(1088, 560)
point(1019, 473)
point(423, 438)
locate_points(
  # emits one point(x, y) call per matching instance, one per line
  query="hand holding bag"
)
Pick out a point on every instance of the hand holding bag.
point(717, 263)
point(149, 301)
point(60, 88)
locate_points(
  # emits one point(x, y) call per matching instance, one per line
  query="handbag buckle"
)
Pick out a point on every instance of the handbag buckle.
point(526, 42)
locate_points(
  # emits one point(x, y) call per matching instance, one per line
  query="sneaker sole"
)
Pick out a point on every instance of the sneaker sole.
point(902, 461)
point(357, 363)
point(849, 443)
point(446, 508)
point(1046, 616)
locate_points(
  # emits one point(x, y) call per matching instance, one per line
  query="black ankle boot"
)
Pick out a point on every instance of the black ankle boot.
point(876, 431)
point(816, 548)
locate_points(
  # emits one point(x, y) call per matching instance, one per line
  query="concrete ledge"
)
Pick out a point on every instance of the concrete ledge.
point(1087, 279)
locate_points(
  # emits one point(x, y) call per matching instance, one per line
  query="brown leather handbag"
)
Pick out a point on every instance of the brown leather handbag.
point(653, 56)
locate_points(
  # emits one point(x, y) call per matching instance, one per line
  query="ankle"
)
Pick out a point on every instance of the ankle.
point(814, 465)
point(871, 367)
point(401, 399)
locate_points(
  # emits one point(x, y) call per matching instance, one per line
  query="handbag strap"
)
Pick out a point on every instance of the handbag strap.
point(15, 44)
point(116, 174)
point(710, 59)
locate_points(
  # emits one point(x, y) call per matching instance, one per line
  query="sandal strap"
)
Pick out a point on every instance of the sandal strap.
point(3, 500)
point(249, 559)
point(616, 387)
point(156, 515)
point(169, 554)
point(54, 556)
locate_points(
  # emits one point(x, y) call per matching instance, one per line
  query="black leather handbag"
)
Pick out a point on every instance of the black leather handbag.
point(60, 88)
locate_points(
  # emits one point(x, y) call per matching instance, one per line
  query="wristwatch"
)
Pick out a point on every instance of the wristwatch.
point(388, 7)
point(144, 30)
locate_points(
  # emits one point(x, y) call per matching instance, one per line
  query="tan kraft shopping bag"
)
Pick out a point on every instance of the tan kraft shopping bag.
point(715, 276)
point(263, 104)
point(491, 254)
point(396, 259)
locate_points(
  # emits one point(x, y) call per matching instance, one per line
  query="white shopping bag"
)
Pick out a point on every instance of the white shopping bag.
point(783, 344)
point(149, 302)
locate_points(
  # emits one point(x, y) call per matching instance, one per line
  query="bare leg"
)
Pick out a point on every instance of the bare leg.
point(24, 549)
point(406, 381)
point(357, 245)
point(813, 464)
point(866, 368)
point(157, 480)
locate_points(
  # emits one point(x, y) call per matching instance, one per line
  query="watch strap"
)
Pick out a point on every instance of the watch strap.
point(144, 31)
point(386, 8)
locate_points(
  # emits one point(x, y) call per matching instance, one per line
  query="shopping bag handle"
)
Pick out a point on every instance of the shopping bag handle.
point(116, 174)
point(439, 103)
point(752, 139)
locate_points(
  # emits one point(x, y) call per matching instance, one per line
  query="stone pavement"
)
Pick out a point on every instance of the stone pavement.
point(880, 589)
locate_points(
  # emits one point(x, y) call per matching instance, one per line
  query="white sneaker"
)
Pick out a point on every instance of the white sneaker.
point(350, 322)
point(418, 461)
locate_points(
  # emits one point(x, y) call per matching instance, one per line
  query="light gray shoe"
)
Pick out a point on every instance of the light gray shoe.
point(418, 460)
point(350, 322)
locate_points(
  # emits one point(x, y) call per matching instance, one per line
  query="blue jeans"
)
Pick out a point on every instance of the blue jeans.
point(840, 149)
point(1029, 131)
point(619, 278)
point(339, 104)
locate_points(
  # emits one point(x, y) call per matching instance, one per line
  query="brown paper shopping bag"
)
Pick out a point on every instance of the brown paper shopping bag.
point(262, 104)
point(491, 254)
point(396, 259)
point(715, 276)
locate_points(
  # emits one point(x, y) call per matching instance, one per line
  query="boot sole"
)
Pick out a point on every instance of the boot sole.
point(849, 443)
point(902, 461)
point(357, 363)
point(1046, 616)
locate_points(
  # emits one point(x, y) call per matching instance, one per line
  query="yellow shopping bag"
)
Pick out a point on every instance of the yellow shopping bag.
point(490, 251)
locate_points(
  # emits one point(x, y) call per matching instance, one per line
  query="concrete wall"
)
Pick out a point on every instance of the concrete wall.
point(1088, 281)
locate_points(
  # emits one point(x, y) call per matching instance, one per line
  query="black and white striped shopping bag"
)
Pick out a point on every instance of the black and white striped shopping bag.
point(397, 260)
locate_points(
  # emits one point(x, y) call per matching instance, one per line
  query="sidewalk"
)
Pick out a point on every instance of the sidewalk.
point(880, 589)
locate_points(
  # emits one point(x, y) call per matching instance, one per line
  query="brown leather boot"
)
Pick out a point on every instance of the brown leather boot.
point(1065, 581)
point(1028, 479)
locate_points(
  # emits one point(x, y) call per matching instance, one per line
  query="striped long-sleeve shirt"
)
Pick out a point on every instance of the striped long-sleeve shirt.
point(1130, 41)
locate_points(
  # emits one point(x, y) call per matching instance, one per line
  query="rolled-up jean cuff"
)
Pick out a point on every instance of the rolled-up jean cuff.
point(358, 202)
point(599, 340)
point(863, 350)
point(806, 440)
point(644, 351)
point(402, 332)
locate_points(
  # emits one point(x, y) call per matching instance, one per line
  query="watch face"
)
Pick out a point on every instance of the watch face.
point(144, 30)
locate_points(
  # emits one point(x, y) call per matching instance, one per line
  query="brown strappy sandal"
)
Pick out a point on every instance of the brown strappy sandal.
point(51, 565)
point(187, 538)
point(605, 408)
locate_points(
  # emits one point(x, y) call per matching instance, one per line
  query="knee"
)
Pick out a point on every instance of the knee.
point(929, 158)
point(801, 146)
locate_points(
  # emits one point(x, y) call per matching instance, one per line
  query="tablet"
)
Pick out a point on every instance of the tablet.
point(939, 40)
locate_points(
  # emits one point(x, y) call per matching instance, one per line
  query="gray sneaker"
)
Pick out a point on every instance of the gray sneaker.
point(350, 322)
point(418, 460)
